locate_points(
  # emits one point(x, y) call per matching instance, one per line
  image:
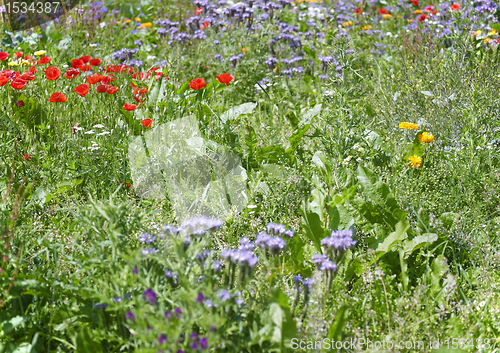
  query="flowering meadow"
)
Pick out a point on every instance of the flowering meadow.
point(259, 176)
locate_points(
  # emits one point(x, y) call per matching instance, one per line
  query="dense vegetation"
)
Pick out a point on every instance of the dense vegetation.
point(251, 177)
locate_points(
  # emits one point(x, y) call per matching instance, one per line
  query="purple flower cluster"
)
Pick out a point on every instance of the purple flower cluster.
point(273, 244)
point(200, 225)
point(279, 229)
point(244, 258)
point(196, 343)
point(339, 240)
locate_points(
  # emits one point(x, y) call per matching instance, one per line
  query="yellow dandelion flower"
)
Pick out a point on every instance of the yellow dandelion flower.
point(40, 52)
point(415, 161)
point(364, 28)
point(137, 19)
point(387, 15)
point(425, 137)
point(408, 126)
point(417, 12)
point(13, 63)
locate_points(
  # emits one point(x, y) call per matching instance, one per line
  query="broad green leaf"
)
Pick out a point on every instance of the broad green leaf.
point(393, 238)
point(419, 241)
point(235, 112)
point(312, 226)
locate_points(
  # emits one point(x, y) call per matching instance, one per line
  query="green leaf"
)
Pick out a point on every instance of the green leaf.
point(335, 330)
point(393, 238)
point(448, 219)
point(235, 112)
point(284, 326)
point(312, 225)
point(496, 27)
point(295, 139)
point(419, 241)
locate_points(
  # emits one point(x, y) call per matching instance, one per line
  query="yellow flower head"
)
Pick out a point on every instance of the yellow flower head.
point(415, 161)
point(417, 12)
point(364, 28)
point(409, 126)
point(348, 23)
point(244, 50)
point(25, 62)
point(387, 15)
point(492, 33)
point(40, 52)
point(13, 63)
point(137, 19)
point(425, 137)
point(487, 40)
point(410, 20)
point(128, 21)
point(145, 25)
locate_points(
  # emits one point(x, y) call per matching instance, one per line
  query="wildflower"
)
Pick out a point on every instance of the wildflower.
point(422, 18)
point(44, 60)
point(95, 62)
point(3, 80)
point(82, 90)
point(455, 7)
point(40, 52)
point(27, 157)
point(225, 78)
point(425, 137)
point(94, 78)
point(13, 63)
point(52, 73)
point(198, 225)
point(408, 126)
point(18, 54)
point(224, 295)
point(162, 339)
point(101, 88)
point(417, 12)
point(57, 97)
point(168, 315)
point(358, 10)
point(130, 316)
point(386, 15)
point(277, 229)
point(3, 56)
point(246, 244)
point(367, 27)
point(111, 89)
point(415, 161)
point(20, 104)
point(71, 73)
point(129, 107)
point(149, 296)
point(200, 298)
point(85, 59)
point(339, 240)
point(178, 312)
point(147, 122)
point(18, 83)
point(197, 83)
point(244, 50)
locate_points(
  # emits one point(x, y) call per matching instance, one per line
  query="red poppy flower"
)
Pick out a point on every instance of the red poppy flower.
point(414, 2)
point(101, 89)
point(455, 7)
point(3, 80)
point(225, 78)
point(85, 68)
point(71, 73)
point(111, 89)
point(422, 17)
point(10, 74)
point(3, 56)
point(82, 90)
point(18, 54)
point(28, 76)
point(198, 11)
point(85, 59)
point(205, 25)
point(95, 62)
point(57, 97)
point(32, 70)
point(44, 60)
point(20, 104)
point(147, 122)
point(18, 83)
point(197, 83)
point(137, 99)
point(52, 73)
point(428, 8)
point(93, 79)
point(128, 185)
point(27, 157)
point(358, 10)
point(382, 11)
point(108, 79)
point(27, 57)
point(129, 107)
point(76, 63)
